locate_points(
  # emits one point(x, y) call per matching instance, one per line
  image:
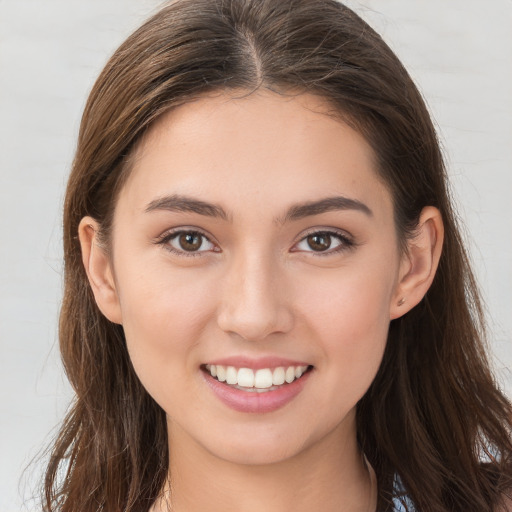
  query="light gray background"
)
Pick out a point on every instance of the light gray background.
point(51, 51)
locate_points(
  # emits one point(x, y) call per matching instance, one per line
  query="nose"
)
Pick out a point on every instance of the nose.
point(254, 302)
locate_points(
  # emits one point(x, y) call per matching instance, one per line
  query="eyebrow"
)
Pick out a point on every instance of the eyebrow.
point(329, 204)
point(181, 203)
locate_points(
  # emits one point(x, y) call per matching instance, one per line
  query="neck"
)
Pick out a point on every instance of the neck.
point(330, 476)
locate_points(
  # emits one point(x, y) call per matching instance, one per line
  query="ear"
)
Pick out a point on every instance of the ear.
point(419, 264)
point(99, 270)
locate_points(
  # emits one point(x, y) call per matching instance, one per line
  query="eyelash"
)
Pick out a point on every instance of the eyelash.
point(346, 242)
point(166, 238)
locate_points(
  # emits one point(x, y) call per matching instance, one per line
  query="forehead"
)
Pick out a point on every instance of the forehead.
point(228, 149)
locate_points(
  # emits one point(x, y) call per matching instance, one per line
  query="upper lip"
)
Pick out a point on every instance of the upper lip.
point(256, 363)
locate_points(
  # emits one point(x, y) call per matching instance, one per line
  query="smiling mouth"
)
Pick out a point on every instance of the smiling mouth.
point(256, 381)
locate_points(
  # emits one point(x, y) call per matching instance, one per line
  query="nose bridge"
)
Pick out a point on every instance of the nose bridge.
point(253, 302)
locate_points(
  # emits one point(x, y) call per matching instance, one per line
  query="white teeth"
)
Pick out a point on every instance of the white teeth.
point(231, 377)
point(299, 370)
point(263, 378)
point(246, 378)
point(278, 376)
point(255, 380)
point(221, 373)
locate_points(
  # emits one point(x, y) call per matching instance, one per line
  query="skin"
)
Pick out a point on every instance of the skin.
point(257, 288)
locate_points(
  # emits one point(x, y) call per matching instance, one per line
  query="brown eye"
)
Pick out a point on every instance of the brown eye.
point(189, 242)
point(324, 242)
point(319, 241)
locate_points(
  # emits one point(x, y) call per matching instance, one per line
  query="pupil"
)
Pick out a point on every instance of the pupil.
point(319, 242)
point(190, 241)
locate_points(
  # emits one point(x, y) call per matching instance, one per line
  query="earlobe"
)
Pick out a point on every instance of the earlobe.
point(98, 267)
point(419, 264)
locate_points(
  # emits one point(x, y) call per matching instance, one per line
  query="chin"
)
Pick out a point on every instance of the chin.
point(260, 454)
point(266, 444)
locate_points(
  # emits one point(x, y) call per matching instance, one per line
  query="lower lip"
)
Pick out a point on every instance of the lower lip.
point(254, 402)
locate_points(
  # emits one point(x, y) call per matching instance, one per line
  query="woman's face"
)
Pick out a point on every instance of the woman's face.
point(254, 236)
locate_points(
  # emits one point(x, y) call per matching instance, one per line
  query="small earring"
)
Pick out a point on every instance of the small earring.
point(401, 302)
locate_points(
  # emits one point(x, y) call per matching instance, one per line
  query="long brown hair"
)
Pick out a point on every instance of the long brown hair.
point(433, 423)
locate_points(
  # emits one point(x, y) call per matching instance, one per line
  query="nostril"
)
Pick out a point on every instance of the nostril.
point(253, 303)
point(255, 325)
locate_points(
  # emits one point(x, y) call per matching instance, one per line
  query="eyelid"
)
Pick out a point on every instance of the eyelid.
point(169, 234)
point(346, 239)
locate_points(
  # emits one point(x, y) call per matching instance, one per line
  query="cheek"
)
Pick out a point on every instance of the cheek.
point(164, 313)
point(165, 319)
point(349, 315)
point(164, 299)
point(350, 301)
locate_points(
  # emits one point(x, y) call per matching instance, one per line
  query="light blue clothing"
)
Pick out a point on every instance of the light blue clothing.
point(399, 504)
point(402, 500)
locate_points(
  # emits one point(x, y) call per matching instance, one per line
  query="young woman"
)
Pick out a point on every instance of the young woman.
point(267, 302)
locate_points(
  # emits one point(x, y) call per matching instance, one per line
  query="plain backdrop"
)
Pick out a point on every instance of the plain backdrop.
point(459, 52)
